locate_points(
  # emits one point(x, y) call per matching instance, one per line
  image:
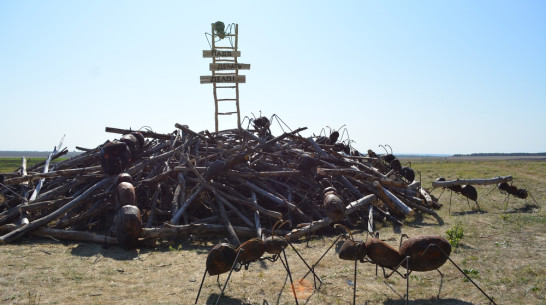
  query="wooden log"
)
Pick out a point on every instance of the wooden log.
point(387, 200)
point(56, 154)
point(44, 205)
point(253, 205)
point(274, 198)
point(360, 203)
point(401, 206)
point(495, 180)
point(183, 208)
point(234, 209)
point(325, 222)
point(146, 134)
point(71, 235)
point(128, 226)
point(229, 228)
point(257, 222)
point(59, 212)
point(64, 173)
point(172, 231)
point(357, 174)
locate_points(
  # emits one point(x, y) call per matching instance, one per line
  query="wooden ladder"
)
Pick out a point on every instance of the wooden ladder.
point(219, 89)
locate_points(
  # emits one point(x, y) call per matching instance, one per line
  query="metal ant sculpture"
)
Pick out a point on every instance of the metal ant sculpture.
point(262, 124)
point(513, 190)
point(220, 31)
point(467, 191)
point(418, 254)
point(335, 140)
point(224, 257)
point(390, 161)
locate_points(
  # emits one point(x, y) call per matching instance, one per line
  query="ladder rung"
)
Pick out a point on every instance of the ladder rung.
point(224, 73)
point(228, 48)
point(231, 87)
point(226, 113)
point(227, 99)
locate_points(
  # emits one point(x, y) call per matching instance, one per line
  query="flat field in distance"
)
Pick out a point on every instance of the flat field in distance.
point(503, 250)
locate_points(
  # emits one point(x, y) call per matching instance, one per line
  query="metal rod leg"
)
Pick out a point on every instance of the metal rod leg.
point(229, 275)
point(201, 286)
point(290, 276)
point(312, 268)
point(354, 281)
point(441, 282)
point(407, 279)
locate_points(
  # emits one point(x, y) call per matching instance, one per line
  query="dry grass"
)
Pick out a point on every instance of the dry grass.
point(506, 249)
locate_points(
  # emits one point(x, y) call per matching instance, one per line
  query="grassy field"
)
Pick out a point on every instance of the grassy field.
point(8, 165)
point(502, 250)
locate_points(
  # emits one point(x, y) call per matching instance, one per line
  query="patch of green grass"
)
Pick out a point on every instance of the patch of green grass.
point(472, 273)
point(9, 165)
point(455, 234)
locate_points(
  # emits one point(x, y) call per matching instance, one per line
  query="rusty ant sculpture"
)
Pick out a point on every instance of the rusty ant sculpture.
point(224, 257)
point(417, 254)
point(468, 191)
point(513, 190)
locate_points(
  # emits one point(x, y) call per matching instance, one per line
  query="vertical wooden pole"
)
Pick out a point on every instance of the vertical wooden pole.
point(214, 84)
point(237, 73)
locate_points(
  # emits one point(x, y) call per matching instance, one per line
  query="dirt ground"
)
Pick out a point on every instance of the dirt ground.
point(502, 250)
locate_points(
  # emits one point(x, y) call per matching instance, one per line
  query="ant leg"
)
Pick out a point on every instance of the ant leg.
point(450, 195)
point(443, 190)
point(312, 268)
point(229, 275)
point(407, 280)
point(289, 275)
point(441, 282)
point(536, 203)
point(201, 286)
point(354, 281)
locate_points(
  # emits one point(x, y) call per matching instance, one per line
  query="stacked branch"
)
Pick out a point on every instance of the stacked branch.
point(237, 183)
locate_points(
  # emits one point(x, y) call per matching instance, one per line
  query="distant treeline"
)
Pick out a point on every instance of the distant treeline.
point(33, 154)
point(502, 155)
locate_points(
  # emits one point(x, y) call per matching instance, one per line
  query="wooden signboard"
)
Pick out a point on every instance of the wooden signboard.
point(209, 79)
point(228, 66)
point(220, 53)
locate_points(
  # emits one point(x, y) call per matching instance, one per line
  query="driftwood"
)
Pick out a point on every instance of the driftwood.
point(495, 180)
point(234, 183)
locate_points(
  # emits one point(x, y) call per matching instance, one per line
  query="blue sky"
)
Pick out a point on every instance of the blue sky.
point(440, 77)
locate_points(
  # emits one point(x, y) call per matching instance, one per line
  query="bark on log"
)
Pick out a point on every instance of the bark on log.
point(46, 219)
point(146, 134)
point(172, 231)
point(71, 235)
point(495, 180)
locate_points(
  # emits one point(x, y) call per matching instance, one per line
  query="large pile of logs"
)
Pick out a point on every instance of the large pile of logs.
point(235, 183)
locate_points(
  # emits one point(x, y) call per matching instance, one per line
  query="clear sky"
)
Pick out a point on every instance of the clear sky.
point(440, 77)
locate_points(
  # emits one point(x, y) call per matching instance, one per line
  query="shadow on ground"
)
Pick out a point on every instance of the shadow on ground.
point(428, 301)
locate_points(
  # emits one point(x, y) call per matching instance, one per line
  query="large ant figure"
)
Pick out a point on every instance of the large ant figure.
point(224, 257)
point(417, 254)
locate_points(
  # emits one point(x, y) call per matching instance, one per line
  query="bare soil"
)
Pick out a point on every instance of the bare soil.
point(503, 249)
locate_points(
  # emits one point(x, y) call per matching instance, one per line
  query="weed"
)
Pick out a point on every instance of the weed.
point(503, 243)
point(33, 298)
point(505, 217)
point(455, 234)
point(472, 273)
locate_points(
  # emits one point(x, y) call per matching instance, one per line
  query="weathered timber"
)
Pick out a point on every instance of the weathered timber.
point(495, 180)
point(50, 217)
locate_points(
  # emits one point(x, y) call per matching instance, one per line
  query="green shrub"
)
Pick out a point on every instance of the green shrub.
point(455, 234)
